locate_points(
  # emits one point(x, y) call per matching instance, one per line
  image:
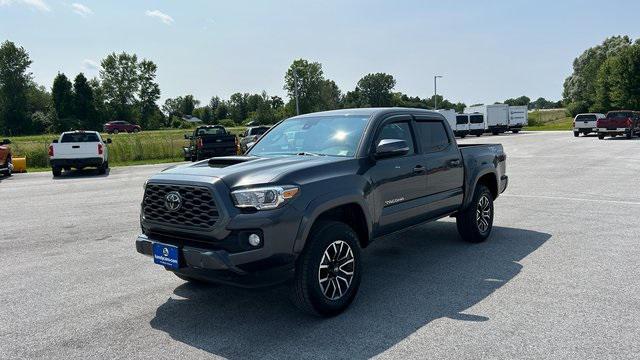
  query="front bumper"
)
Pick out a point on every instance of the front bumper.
point(75, 163)
point(221, 266)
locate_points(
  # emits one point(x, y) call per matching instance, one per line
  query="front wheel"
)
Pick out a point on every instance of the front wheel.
point(601, 136)
point(515, 131)
point(327, 274)
point(475, 222)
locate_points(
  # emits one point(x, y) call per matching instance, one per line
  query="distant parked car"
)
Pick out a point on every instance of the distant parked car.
point(251, 135)
point(114, 127)
point(619, 122)
point(79, 149)
point(6, 165)
point(586, 123)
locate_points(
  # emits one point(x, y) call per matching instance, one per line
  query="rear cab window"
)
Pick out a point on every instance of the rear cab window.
point(586, 118)
point(619, 114)
point(79, 138)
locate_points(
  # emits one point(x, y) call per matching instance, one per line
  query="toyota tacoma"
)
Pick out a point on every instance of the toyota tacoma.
point(313, 192)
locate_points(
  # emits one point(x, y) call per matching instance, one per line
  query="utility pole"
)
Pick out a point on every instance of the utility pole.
point(435, 91)
point(295, 90)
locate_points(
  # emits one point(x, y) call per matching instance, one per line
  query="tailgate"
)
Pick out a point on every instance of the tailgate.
point(612, 123)
point(75, 150)
point(215, 141)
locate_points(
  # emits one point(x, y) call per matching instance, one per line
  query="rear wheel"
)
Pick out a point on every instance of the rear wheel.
point(115, 131)
point(601, 136)
point(327, 274)
point(629, 134)
point(515, 131)
point(576, 133)
point(136, 130)
point(475, 223)
point(103, 168)
point(57, 171)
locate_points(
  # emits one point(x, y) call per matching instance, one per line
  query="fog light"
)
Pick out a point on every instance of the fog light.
point(254, 239)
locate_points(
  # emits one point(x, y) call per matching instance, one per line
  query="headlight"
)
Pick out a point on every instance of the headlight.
point(264, 198)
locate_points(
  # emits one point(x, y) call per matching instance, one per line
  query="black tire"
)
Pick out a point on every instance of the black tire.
point(629, 135)
point(601, 136)
point(136, 130)
point(470, 226)
point(56, 171)
point(463, 136)
point(115, 131)
point(576, 134)
point(494, 132)
point(515, 131)
point(478, 135)
point(103, 168)
point(315, 261)
point(9, 166)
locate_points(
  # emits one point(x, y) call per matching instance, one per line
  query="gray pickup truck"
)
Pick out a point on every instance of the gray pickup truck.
point(310, 194)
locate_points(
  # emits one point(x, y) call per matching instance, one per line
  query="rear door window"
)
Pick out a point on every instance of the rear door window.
point(432, 136)
point(462, 120)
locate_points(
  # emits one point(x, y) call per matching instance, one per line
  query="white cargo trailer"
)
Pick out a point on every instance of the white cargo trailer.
point(458, 130)
point(518, 118)
point(496, 116)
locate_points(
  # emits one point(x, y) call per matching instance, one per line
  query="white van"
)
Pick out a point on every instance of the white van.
point(518, 118)
point(462, 125)
point(451, 116)
point(477, 124)
point(496, 116)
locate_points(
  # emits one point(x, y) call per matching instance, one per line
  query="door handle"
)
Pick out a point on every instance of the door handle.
point(419, 169)
point(454, 162)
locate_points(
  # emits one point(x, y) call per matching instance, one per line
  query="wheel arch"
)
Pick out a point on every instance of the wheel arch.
point(348, 209)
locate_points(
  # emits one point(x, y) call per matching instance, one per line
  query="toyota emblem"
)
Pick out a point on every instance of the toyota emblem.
point(173, 201)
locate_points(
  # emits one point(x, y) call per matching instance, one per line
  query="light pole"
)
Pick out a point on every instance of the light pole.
point(295, 90)
point(435, 91)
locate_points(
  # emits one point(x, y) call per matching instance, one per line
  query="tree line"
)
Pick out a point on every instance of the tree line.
point(605, 77)
point(126, 89)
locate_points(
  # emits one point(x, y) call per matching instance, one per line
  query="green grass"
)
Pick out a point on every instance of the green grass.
point(147, 147)
point(548, 120)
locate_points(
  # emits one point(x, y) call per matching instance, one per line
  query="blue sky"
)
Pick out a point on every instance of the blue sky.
point(487, 50)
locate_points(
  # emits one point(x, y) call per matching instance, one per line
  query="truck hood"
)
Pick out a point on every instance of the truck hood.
point(240, 171)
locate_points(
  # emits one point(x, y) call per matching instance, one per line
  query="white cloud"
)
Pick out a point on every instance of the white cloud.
point(81, 10)
point(90, 65)
point(35, 4)
point(160, 16)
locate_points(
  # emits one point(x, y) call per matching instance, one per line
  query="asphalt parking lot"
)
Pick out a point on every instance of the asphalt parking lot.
point(559, 278)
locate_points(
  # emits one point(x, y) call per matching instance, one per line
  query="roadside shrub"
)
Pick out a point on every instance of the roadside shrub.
point(227, 123)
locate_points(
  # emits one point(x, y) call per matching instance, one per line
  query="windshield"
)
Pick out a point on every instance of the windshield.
point(323, 135)
point(462, 119)
point(258, 131)
point(476, 119)
point(79, 137)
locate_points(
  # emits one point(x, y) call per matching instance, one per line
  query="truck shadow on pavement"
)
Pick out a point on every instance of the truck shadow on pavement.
point(75, 174)
point(410, 279)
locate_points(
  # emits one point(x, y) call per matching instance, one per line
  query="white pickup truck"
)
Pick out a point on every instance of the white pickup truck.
point(586, 123)
point(79, 149)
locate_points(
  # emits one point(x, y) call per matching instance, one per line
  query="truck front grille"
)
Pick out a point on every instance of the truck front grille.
point(198, 209)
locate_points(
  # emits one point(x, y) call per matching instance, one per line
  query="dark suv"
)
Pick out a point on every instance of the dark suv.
point(310, 194)
point(114, 127)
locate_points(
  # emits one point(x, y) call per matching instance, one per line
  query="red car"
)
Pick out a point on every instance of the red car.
point(114, 127)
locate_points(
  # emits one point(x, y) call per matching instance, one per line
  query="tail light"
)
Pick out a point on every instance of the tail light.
point(598, 122)
point(50, 150)
point(199, 143)
point(628, 122)
point(100, 150)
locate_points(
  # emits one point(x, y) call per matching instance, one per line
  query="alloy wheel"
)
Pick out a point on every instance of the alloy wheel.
point(483, 213)
point(336, 270)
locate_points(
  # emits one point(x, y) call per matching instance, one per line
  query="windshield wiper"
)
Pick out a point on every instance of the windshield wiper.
point(307, 153)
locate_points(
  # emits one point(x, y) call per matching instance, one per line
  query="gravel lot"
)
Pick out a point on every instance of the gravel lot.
point(560, 277)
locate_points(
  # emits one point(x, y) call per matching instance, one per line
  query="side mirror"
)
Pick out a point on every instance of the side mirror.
point(55, 141)
point(108, 141)
point(390, 148)
point(6, 142)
